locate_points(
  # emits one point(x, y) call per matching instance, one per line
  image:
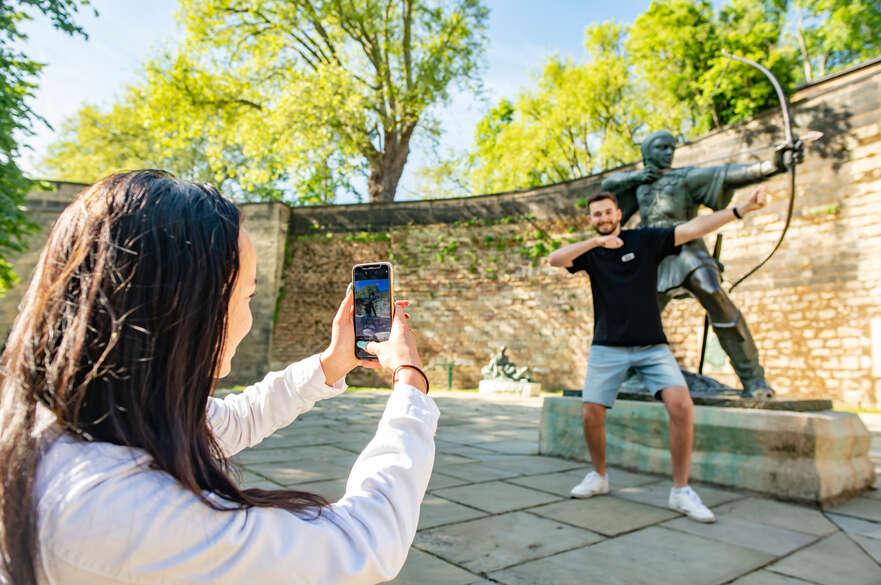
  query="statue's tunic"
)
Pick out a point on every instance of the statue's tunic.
point(674, 199)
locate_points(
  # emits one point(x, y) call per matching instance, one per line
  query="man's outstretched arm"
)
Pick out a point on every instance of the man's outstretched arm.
point(704, 224)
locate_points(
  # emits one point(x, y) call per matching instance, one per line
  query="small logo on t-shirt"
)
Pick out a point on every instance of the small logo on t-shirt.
point(628, 257)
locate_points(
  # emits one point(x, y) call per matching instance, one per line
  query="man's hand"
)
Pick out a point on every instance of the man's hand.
point(611, 242)
point(647, 174)
point(756, 200)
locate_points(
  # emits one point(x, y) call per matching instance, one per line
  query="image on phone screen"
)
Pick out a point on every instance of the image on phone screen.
point(373, 310)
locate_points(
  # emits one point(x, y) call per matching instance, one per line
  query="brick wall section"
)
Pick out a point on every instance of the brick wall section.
point(810, 307)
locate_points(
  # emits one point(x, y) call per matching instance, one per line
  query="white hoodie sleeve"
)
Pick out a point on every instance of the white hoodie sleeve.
point(244, 419)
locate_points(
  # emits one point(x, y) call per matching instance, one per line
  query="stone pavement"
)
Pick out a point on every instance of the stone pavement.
point(496, 512)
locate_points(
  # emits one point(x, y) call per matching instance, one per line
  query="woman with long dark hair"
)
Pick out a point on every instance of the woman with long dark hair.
point(113, 451)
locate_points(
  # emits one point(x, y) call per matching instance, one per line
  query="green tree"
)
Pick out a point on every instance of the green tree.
point(834, 34)
point(18, 81)
point(579, 120)
point(664, 71)
point(165, 122)
point(296, 95)
point(675, 48)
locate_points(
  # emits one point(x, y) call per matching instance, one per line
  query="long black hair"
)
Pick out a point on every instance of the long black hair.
point(120, 336)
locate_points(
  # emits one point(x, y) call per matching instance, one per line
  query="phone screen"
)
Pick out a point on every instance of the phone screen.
point(373, 305)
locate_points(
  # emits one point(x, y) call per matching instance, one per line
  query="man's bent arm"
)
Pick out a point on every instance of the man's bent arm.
point(565, 255)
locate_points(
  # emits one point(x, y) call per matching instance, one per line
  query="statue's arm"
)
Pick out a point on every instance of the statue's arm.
point(714, 186)
point(624, 181)
point(623, 185)
point(740, 175)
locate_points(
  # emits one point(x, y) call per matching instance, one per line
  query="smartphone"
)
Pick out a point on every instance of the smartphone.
point(374, 296)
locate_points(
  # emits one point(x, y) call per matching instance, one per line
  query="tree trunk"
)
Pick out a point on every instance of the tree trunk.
point(387, 166)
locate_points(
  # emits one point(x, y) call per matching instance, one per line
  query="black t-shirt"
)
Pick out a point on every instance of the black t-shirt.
point(624, 283)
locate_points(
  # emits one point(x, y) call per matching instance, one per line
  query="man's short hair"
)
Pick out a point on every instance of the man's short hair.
point(600, 196)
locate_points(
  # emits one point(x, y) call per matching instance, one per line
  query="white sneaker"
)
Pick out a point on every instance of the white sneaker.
point(689, 503)
point(592, 484)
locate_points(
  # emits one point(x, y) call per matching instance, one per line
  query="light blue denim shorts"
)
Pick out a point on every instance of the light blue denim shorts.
point(607, 368)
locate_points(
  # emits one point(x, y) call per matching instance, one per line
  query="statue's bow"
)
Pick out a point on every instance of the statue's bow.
point(792, 143)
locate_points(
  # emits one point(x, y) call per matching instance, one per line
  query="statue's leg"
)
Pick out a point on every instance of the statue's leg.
point(731, 329)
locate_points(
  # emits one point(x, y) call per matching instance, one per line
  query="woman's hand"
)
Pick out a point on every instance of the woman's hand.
point(339, 357)
point(400, 349)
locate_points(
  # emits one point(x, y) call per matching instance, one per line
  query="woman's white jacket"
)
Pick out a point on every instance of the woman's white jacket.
point(105, 517)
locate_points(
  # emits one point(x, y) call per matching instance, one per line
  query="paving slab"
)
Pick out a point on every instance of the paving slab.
point(530, 464)
point(605, 514)
point(303, 439)
point(789, 516)
point(422, 568)
point(252, 480)
point(354, 445)
point(752, 535)
point(450, 459)
point(437, 511)
point(500, 541)
point(465, 451)
point(658, 493)
point(859, 507)
point(871, 546)
point(835, 559)
point(853, 525)
point(764, 577)
point(476, 471)
point(456, 435)
point(439, 481)
point(514, 447)
point(516, 433)
point(647, 557)
point(332, 489)
point(289, 474)
point(496, 496)
point(260, 454)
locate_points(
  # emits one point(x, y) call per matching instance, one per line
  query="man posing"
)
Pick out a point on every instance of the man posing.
point(623, 270)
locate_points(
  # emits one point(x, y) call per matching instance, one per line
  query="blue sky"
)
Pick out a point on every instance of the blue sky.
point(522, 34)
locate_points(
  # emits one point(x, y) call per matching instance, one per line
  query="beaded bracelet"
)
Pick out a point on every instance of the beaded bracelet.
point(421, 373)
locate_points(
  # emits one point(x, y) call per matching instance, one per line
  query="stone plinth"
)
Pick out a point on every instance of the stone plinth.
point(814, 457)
point(509, 387)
